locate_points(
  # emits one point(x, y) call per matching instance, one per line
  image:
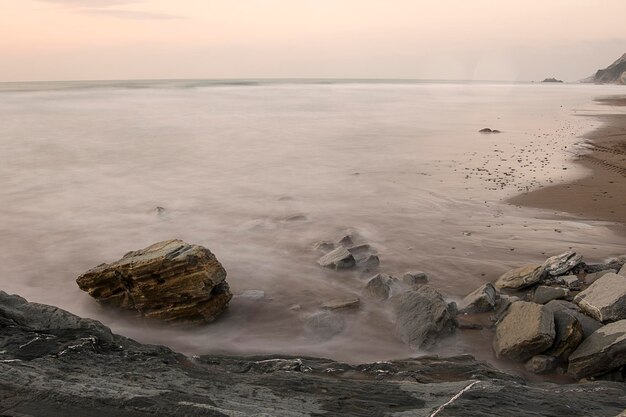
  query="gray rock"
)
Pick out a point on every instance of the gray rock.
point(422, 317)
point(519, 278)
point(172, 281)
point(338, 258)
point(502, 305)
point(541, 364)
point(380, 287)
point(360, 249)
point(341, 303)
point(543, 294)
point(601, 352)
point(622, 271)
point(323, 326)
point(480, 300)
point(525, 331)
point(415, 278)
point(605, 299)
point(368, 263)
point(568, 335)
point(594, 276)
point(346, 241)
point(85, 370)
point(588, 324)
point(561, 264)
point(572, 282)
point(324, 246)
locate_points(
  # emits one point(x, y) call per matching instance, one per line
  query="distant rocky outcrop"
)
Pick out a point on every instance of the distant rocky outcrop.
point(551, 80)
point(56, 364)
point(613, 74)
point(171, 281)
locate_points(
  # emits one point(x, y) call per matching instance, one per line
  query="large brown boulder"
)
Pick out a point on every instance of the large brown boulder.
point(170, 280)
point(519, 278)
point(526, 330)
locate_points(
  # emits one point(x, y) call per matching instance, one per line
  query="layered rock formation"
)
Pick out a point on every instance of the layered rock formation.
point(171, 281)
point(56, 364)
point(613, 74)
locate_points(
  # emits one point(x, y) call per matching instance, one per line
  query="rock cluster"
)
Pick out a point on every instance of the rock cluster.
point(567, 323)
point(171, 281)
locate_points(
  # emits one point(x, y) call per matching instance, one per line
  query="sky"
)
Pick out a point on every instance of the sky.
point(508, 40)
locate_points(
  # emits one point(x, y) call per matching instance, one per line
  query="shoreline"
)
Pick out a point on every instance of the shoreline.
point(600, 195)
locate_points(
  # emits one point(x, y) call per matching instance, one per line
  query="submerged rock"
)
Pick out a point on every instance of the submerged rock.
point(340, 303)
point(323, 326)
point(338, 258)
point(480, 300)
point(368, 263)
point(601, 352)
point(519, 278)
point(605, 299)
point(541, 364)
point(380, 287)
point(170, 280)
point(525, 331)
point(415, 278)
point(422, 317)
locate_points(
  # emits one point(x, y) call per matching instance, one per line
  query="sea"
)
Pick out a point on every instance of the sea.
point(258, 171)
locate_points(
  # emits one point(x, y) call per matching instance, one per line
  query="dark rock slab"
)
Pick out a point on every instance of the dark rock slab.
point(588, 324)
point(85, 370)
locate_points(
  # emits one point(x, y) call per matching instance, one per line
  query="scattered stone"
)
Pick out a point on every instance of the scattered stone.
point(295, 307)
point(519, 278)
point(601, 352)
point(346, 241)
point(380, 287)
point(541, 364)
point(572, 282)
point(368, 263)
point(338, 258)
point(568, 335)
point(170, 280)
point(296, 218)
point(594, 276)
point(415, 278)
point(253, 295)
point(159, 210)
point(480, 300)
point(340, 303)
point(323, 326)
point(588, 324)
point(423, 317)
point(525, 331)
point(360, 249)
point(543, 294)
point(561, 264)
point(324, 246)
point(605, 299)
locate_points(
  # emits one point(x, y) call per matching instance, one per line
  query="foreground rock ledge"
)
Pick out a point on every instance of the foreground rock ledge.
point(55, 364)
point(170, 281)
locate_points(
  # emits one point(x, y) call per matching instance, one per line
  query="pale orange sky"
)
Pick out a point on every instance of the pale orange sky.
point(444, 39)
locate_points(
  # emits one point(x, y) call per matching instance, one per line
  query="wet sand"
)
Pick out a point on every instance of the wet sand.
point(602, 194)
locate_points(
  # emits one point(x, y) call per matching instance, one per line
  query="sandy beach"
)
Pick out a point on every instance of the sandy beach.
point(602, 194)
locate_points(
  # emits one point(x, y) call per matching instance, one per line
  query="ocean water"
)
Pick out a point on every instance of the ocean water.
point(258, 171)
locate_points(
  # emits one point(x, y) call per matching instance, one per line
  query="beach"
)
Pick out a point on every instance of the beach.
point(600, 195)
